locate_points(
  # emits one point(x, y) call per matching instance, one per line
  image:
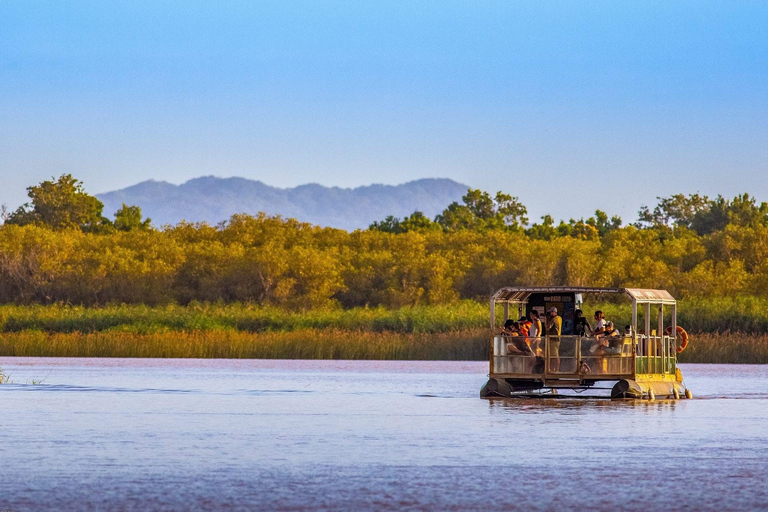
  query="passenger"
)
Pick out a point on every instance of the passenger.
point(613, 339)
point(581, 325)
point(610, 330)
point(535, 330)
point(603, 339)
point(518, 344)
point(554, 328)
point(525, 326)
point(602, 346)
point(600, 325)
point(509, 328)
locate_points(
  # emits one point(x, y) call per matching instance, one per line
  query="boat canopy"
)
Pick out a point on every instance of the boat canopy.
point(519, 295)
point(515, 294)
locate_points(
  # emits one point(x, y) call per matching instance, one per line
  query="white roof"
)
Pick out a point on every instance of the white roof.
point(521, 294)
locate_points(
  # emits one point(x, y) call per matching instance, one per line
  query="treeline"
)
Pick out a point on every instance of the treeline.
point(53, 252)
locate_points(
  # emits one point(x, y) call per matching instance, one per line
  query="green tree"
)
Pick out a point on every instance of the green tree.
point(704, 215)
point(593, 228)
point(544, 231)
point(128, 218)
point(481, 211)
point(60, 204)
point(678, 210)
point(416, 221)
point(602, 224)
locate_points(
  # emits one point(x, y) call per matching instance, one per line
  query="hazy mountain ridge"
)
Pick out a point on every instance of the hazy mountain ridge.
point(213, 199)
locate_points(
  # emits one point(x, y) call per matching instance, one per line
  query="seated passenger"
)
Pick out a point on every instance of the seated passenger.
point(517, 344)
point(580, 325)
point(600, 325)
point(603, 338)
point(509, 329)
point(613, 339)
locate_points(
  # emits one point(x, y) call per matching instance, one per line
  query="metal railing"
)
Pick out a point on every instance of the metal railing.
point(573, 357)
point(656, 354)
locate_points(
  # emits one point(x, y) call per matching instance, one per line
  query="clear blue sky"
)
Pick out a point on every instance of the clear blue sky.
point(569, 105)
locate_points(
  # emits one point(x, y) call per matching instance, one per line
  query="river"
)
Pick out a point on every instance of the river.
point(184, 434)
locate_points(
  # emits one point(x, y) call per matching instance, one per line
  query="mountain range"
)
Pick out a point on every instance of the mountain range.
point(211, 199)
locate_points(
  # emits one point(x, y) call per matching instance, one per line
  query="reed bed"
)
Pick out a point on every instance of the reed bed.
point(141, 319)
point(739, 314)
point(737, 331)
point(467, 345)
point(719, 314)
point(303, 344)
point(726, 348)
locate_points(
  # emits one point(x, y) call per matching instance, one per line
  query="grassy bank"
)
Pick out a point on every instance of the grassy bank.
point(301, 344)
point(240, 317)
point(466, 345)
point(450, 332)
point(726, 348)
point(742, 314)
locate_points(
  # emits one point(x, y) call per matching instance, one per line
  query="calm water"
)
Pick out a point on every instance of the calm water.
point(116, 434)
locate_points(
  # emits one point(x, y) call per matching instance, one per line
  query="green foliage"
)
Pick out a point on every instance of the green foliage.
point(417, 221)
point(60, 204)
point(128, 218)
point(63, 204)
point(481, 212)
point(593, 228)
point(703, 215)
point(691, 246)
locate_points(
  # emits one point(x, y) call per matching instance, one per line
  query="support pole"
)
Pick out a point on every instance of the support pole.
point(493, 315)
point(648, 337)
point(661, 334)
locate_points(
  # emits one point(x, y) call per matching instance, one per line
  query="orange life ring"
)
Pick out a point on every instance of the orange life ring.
point(679, 331)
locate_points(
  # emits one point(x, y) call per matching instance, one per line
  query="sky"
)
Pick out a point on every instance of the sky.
point(569, 105)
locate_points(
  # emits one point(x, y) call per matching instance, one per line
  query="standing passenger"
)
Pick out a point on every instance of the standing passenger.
point(535, 329)
point(554, 328)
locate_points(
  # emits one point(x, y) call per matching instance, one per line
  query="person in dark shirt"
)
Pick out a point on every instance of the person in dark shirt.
point(581, 325)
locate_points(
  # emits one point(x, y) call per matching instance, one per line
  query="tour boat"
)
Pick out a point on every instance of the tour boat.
point(639, 361)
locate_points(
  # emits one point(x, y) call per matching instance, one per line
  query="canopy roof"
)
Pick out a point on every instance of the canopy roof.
point(638, 295)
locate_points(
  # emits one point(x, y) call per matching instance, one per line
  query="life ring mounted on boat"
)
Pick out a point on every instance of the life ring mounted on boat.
point(679, 331)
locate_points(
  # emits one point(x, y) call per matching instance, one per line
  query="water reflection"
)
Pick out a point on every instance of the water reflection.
point(587, 405)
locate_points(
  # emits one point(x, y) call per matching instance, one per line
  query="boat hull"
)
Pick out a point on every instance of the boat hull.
point(651, 387)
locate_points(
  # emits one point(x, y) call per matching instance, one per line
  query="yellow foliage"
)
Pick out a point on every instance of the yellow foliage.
point(282, 262)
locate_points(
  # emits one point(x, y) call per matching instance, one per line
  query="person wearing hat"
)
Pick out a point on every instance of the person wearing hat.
point(554, 328)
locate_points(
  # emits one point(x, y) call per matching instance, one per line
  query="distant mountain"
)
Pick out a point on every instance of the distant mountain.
point(214, 199)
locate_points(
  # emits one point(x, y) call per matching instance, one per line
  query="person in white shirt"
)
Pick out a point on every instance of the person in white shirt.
point(535, 329)
point(600, 325)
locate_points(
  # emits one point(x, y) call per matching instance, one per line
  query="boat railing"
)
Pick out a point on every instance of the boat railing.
point(561, 357)
point(656, 354)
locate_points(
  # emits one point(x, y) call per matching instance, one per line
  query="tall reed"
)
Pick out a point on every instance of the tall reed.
point(472, 344)
point(303, 344)
point(240, 317)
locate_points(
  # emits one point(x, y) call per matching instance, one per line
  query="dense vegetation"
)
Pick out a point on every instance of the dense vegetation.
point(59, 248)
point(76, 283)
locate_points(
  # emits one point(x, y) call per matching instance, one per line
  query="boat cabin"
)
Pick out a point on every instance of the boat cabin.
point(635, 360)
